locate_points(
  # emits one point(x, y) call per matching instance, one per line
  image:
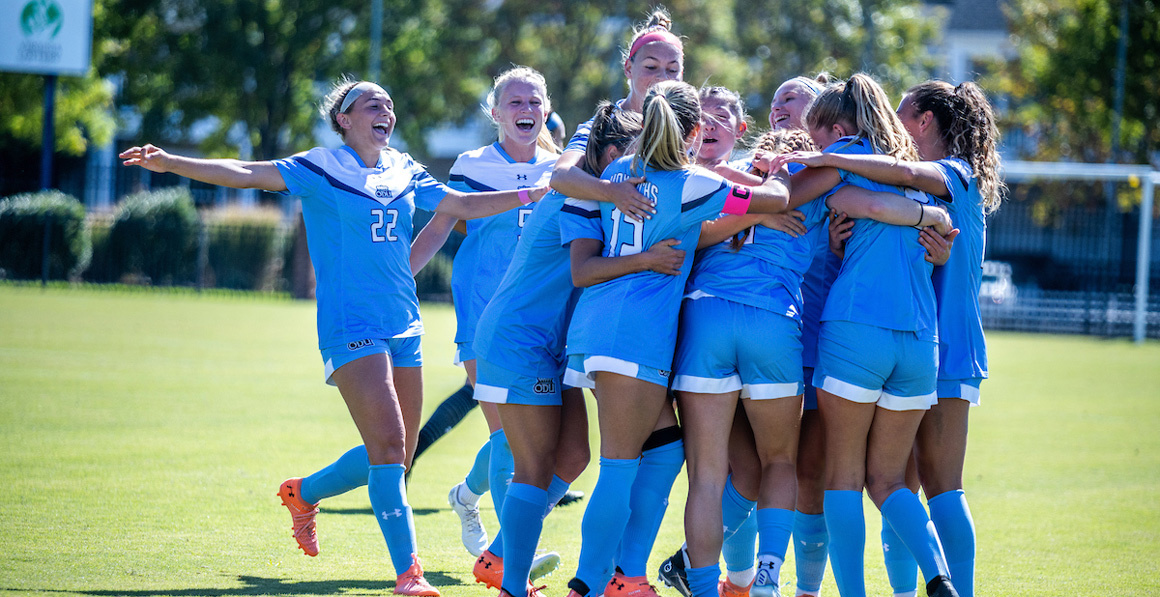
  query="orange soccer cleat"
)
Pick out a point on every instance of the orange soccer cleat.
point(302, 514)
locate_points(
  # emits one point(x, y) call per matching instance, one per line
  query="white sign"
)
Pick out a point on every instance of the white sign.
point(51, 37)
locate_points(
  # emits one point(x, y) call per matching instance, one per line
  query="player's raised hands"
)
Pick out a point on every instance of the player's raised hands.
point(629, 200)
point(812, 159)
point(149, 157)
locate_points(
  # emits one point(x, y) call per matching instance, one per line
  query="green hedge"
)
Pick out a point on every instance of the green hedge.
point(433, 282)
point(22, 229)
point(245, 249)
point(153, 239)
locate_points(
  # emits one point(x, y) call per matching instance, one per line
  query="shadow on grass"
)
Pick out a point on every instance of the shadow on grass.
point(256, 585)
point(369, 512)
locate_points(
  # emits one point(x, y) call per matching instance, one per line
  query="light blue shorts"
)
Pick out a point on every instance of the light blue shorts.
point(582, 368)
point(726, 346)
point(464, 351)
point(498, 385)
point(868, 364)
point(404, 352)
point(965, 389)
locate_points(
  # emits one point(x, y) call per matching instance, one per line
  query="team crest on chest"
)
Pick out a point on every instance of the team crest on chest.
point(379, 186)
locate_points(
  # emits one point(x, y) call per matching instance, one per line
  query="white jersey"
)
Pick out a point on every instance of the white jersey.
point(486, 253)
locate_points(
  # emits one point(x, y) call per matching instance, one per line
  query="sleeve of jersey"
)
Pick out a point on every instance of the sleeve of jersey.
point(302, 173)
point(428, 191)
point(705, 196)
point(580, 218)
point(579, 140)
point(456, 179)
point(956, 176)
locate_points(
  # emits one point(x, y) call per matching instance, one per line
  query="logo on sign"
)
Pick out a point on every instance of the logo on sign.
point(41, 17)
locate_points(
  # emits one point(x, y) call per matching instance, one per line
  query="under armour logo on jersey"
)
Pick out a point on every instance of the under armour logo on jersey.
point(521, 176)
point(387, 514)
point(383, 192)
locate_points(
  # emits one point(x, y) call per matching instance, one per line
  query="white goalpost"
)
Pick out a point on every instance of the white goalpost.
point(1018, 171)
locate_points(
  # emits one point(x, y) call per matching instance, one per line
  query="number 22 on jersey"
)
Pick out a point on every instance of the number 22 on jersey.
point(383, 226)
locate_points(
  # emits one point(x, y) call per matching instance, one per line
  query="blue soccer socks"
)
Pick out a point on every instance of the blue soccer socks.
point(347, 473)
point(477, 477)
point(522, 521)
point(956, 530)
point(659, 468)
point(901, 569)
point(811, 545)
point(846, 524)
point(604, 520)
point(389, 501)
point(739, 548)
point(913, 526)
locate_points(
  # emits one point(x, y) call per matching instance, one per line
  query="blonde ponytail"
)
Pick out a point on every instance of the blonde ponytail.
point(671, 114)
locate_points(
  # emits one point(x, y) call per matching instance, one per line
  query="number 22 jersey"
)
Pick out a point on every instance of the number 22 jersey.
point(359, 228)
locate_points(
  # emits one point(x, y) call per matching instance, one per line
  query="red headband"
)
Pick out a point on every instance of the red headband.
point(655, 34)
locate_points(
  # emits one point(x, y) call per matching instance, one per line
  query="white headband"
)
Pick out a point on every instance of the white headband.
point(354, 94)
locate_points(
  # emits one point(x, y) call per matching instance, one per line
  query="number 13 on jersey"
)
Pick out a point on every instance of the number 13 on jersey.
point(632, 243)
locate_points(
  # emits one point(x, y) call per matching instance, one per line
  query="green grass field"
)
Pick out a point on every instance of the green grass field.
point(143, 435)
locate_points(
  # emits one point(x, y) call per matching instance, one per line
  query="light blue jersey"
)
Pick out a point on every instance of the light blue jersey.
point(579, 140)
point(634, 317)
point(766, 272)
point(962, 348)
point(524, 326)
point(359, 227)
point(483, 258)
point(885, 278)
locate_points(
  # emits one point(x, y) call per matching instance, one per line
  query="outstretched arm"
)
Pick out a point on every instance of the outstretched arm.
point(889, 208)
point(469, 206)
point(223, 172)
point(569, 178)
point(924, 176)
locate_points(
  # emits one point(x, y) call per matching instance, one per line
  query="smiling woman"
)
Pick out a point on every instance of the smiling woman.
point(358, 201)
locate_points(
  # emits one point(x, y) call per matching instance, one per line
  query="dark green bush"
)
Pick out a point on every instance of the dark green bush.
point(22, 229)
point(245, 249)
point(154, 238)
point(433, 282)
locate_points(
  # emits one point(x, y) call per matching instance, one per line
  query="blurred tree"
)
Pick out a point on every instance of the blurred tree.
point(214, 64)
point(750, 47)
point(1060, 86)
point(82, 112)
point(245, 69)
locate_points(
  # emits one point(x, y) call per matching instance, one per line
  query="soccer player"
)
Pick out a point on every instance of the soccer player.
point(741, 289)
point(358, 201)
point(518, 104)
point(872, 401)
point(623, 332)
point(956, 136)
point(520, 362)
point(654, 54)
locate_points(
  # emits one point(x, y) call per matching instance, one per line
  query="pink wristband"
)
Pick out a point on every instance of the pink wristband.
point(524, 197)
point(737, 202)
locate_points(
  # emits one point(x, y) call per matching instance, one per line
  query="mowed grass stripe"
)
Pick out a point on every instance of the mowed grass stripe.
point(144, 435)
